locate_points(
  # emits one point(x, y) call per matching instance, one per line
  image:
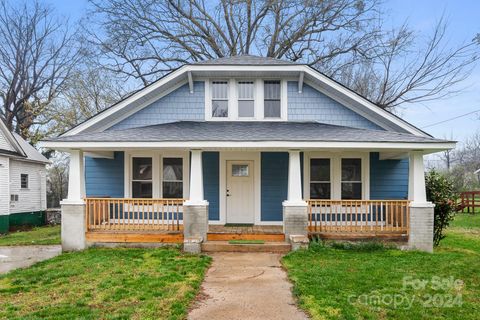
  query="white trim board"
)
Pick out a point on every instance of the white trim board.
point(330, 87)
point(426, 147)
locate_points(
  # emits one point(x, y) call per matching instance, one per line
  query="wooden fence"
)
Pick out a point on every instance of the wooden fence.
point(469, 200)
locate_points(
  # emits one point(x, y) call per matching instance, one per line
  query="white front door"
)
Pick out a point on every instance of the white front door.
point(240, 192)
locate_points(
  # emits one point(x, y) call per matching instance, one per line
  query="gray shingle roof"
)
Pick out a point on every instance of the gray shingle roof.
point(246, 131)
point(246, 60)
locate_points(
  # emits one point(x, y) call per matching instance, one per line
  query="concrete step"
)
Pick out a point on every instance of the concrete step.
point(225, 246)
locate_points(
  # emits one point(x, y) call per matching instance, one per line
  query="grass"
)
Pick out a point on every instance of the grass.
point(246, 242)
point(105, 284)
point(366, 281)
point(40, 235)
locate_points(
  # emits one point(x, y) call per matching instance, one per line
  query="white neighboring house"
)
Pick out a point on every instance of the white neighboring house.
point(23, 197)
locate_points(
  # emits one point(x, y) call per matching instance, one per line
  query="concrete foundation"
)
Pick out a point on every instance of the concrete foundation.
point(73, 226)
point(299, 242)
point(192, 245)
point(195, 221)
point(295, 220)
point(421, 227)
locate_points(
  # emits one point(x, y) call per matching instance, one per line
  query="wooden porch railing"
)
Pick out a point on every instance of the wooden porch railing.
point(119, 214)
point(359, 216)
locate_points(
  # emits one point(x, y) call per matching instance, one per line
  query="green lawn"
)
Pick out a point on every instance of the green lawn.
point(104, 284)
point(39, 235)
point(366, 282)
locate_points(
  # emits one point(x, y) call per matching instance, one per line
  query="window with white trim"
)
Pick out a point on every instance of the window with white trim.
point(320, 180)
point(142, 183)
point(172, 185)
point(246, 101)
point(219, 99)
point(272, 107)
point(351, 179)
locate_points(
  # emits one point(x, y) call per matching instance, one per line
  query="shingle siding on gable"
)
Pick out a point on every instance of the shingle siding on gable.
point(175, 106)
point(312, 105)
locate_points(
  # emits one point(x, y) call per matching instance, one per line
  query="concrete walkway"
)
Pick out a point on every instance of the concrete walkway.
point(246, 286)
point(23, 256)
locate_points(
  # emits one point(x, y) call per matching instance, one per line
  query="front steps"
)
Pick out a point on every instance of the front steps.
point(225, 246)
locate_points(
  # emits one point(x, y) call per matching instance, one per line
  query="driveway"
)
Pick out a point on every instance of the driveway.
point(23, 256)
point(246, 286)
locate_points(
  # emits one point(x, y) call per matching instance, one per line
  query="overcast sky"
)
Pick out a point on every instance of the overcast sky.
point(422, 15)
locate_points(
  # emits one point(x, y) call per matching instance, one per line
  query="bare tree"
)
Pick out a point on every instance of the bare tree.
point(146, 38)
point(37, 55)
point(57, 179)
point(143, 39)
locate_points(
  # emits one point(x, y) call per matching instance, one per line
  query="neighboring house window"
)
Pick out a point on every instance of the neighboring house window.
point(172, 178)
point(352, 179)
point(14, 197)
point(272, 104)
point(24, 181)
point(220, 99)
point(320, 183)
point(142, 177)
point(246, 104)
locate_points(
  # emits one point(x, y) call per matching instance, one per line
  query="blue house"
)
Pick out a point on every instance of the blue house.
point(245, 147)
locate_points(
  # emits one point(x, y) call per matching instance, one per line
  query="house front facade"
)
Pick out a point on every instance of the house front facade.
point(245, 148)
point(23, 198)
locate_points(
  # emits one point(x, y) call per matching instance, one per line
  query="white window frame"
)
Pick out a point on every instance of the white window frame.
point(135, 180)
point(229, 98)
point(336, 172)
point(237, 88)
point(183, 174)
point(361, 177)
point(315, 181)
point(258, 100)
point(157, 170)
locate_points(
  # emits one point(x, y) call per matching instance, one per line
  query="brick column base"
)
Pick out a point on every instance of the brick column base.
point(295, 220)
point(73, 226)
point(421, 227)
point(195, 225)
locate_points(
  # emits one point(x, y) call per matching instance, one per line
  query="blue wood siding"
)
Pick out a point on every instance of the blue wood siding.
point(312, 105)
point(211, 183)
point(274, 184)
point(175, 106)
point(105, 177)
point(388, 178)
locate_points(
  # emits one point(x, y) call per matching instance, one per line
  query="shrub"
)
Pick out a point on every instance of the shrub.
point(440, 191)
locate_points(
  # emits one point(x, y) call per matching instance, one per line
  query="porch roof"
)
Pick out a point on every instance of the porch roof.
point(250, 131)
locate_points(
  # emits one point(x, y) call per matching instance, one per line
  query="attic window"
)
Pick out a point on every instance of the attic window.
point(220, 99)
point(272, 105)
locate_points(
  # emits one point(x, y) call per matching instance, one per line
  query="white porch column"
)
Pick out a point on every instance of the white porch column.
point(196, 179)
point(294, 179)
point(76, 178)
point(295, 213)
point(73, 208)
point(421, 211)
point(195, 212)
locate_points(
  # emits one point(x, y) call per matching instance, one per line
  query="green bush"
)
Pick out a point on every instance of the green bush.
point(441, 192)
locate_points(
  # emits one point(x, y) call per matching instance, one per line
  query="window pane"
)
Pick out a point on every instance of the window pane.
point(141, 189)
point(272, 90)
point(351, 190)
point(220, 108)
point(172, 189)
point(246, 108)
point(319, 169)
point(24, 181)
point(272, 108)
point(245, 90)
point(240, 170)
point(220, 90)
point(320, 190)
point(351, 170)
point(142, 169)
point(172, 169)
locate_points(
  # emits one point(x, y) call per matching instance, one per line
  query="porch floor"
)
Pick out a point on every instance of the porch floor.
point(239, 229)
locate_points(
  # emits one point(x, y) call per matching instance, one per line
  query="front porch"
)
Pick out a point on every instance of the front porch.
point(261, 196)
